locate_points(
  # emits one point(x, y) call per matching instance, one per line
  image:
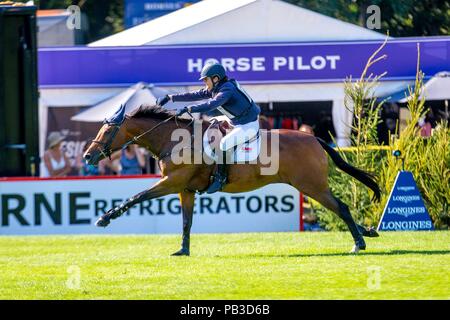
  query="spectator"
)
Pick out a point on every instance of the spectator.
point(56, 162)
point(427, 124)
point(132, 160)
point(311, 223)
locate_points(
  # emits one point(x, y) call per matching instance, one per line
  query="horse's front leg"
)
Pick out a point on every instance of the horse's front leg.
point(162, 188)
point(187, 200)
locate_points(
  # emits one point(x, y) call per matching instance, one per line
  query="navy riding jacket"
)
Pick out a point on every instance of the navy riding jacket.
point(228, 98)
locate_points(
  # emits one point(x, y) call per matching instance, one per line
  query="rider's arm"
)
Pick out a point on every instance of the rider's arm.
point(192, 96)
point(221, 98)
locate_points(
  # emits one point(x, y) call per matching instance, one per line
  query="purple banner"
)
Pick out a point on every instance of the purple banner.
point(249, 63)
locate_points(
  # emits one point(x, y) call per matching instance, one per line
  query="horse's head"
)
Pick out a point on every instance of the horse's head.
point(110, 138)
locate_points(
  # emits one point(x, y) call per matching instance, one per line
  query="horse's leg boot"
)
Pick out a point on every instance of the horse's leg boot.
point(360, 244)
point(369, 232)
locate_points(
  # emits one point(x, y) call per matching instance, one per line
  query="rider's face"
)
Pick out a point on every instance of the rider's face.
point(208, 82)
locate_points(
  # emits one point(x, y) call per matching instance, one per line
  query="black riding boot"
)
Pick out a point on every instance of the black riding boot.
point(220, 178)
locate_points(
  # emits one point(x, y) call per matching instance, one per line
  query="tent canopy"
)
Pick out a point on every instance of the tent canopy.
point(219, 21)
point(437, 88)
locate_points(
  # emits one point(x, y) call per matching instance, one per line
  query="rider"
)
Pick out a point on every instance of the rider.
point(226, 96)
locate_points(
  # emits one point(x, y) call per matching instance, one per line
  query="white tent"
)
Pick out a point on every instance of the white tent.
point(238, 21)
point(437, 88)
point(132, 98)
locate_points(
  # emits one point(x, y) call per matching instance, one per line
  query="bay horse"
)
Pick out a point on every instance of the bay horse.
point(303, 164)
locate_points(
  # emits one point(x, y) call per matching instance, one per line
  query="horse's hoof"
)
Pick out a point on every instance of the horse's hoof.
point(371, 233)
point(355, 249)
point(181, 252)
point(360, 244)
point(102, 222)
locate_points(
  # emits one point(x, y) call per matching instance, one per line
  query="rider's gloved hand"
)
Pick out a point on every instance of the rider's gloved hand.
point(182, 111)
point(163, 100)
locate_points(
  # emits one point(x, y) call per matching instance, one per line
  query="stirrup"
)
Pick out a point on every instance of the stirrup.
point(217, 184)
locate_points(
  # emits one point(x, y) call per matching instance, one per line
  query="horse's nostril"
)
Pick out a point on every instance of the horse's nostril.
point(87, 157)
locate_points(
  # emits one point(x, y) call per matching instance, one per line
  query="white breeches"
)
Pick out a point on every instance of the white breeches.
point(239, 134)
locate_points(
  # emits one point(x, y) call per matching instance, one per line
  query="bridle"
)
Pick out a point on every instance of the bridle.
point(107, 151)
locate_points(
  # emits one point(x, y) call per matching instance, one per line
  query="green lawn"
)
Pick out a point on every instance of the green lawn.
point(403, 265)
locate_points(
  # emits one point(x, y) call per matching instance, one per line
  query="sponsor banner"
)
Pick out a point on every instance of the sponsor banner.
point(71, 206)
point(405, 209)
point(250, 63)
point(139, 11)
point(77, 133)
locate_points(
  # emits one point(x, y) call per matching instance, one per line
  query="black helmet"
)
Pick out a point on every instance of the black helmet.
point(211, 70)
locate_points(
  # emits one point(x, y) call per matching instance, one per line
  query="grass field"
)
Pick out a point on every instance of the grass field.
point(404, 265)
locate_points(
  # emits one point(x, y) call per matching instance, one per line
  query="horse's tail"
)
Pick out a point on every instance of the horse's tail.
point(365, 177)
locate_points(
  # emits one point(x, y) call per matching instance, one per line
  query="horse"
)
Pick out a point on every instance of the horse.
point(303, 164)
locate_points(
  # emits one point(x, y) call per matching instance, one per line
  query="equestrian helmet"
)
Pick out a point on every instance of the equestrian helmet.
point(211, 70)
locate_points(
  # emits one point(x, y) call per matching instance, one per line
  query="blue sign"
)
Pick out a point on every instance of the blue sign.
point(405, 209)
point(139, 11)
point(248, 63)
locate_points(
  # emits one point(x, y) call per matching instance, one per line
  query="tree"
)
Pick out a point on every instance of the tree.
point(404, 18)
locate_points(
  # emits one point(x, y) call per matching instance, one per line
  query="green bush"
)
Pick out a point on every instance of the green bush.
point(427, 158)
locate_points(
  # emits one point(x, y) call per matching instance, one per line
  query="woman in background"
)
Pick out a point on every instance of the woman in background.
point(132, 160)
point(56, 163)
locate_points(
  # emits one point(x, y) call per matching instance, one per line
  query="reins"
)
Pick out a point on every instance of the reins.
point(106, 152)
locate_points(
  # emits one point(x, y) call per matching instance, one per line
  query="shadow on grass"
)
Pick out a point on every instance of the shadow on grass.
point(365, 253)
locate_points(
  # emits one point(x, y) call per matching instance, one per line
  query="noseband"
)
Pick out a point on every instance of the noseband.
point(106, 151)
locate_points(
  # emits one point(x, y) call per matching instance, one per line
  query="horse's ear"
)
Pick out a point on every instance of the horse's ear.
point(119, 116)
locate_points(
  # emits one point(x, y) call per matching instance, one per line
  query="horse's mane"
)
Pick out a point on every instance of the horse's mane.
point(154, 112)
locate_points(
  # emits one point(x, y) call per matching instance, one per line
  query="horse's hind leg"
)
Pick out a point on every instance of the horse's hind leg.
point(341, 209)
point(187, 199)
